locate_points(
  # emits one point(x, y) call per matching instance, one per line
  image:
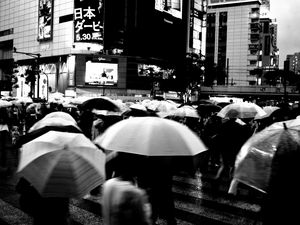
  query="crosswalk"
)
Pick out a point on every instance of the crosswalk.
point(198, 200)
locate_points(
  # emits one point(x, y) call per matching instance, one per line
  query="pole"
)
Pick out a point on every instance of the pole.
point(227, 71)
point(286, 69)
point(38, 75)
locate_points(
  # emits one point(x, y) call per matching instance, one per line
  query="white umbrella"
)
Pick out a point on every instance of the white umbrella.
point(241, 110)
point(53, 121)
point(4, 103)
point(185, 111)
point(151, 136)
point(61, 164)
point(60, 114)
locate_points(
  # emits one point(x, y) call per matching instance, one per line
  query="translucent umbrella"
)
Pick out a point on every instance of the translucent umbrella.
point(241, 110)
point(253, 164)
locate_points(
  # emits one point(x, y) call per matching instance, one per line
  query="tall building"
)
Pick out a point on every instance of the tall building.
point(114, 47)
point(294, 62)
point(236, 45)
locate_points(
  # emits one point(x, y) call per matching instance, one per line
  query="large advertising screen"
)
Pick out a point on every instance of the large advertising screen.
point(88, 21)
point(45, 23)
point(147, 70)
point(172, 7)
point(100, 73)
point(227, 1)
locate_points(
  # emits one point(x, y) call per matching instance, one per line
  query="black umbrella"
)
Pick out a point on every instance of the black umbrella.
point(39, 132)
point(206, 109)
point(100, 104)
point(139, 113)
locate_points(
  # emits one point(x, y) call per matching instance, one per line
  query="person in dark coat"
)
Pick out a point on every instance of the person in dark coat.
point(283, 195)
point(4, 138)
point(156, 177)
point(232, 134)
point(45, 211)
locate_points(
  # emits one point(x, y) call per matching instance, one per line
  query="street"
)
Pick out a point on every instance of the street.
point(198, 200)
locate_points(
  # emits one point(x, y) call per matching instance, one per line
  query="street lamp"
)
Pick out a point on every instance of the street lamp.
point(37, 56)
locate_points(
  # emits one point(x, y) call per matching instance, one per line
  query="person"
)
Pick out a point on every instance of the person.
point(4, 138)
point(231, 136)
point(45, 211)
point(156, 177)
point(124, 204)
point(280, 205)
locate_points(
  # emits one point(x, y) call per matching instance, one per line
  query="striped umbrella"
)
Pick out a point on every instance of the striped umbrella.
point(62, 164)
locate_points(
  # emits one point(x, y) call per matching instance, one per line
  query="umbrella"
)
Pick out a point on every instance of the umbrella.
point(100, 104)
point(253, 164)
point(53, 121)
point(138, 113)
point(185, 111)
point(60, 114)
point(23, 100)
point(162, 108)
point(269, 110)
point(151, 136)
point(223, 104)
point(138, 107)
point(4, 103)
point(241, 110)
point(60, 164)
point(207, 109)
point(33, 107)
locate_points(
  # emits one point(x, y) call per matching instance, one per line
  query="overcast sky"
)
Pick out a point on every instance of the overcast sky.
point(287, 15)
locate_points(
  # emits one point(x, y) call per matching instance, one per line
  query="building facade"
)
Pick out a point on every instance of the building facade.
point(236, 44)
point(114, 47)
point(294, 62)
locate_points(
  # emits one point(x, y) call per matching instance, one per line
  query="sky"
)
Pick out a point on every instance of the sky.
point(287, 16)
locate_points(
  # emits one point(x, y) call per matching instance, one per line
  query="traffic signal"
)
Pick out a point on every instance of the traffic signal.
point(30, 76)
point(13, 76)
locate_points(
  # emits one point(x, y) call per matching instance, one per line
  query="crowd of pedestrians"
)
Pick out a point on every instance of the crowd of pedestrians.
point(139, 196)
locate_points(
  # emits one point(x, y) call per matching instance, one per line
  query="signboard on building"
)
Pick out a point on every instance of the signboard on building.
point(172, 7)
point(45, 23)
point(227, 1)
point(88, 21)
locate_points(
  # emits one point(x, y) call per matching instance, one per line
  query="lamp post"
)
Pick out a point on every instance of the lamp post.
point(37, 56)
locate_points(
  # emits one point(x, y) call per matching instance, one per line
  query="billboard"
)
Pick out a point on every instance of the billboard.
point(228, 1)
point(147, 70)
point(88, 21)
point(100, 73)
point(45, 20)
point(172, 7)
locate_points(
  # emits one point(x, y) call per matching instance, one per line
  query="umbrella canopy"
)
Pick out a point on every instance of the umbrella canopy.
point(53, 121)
point(23, 100)
point(100, 104)
point(269, 110)
point(185, 111)
point(241, 110)
point(61, 115)
point(138, 113)
point(253, 164)
point(207, 109)
point(60, 164)
point(4, 103)
point(151, 136)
